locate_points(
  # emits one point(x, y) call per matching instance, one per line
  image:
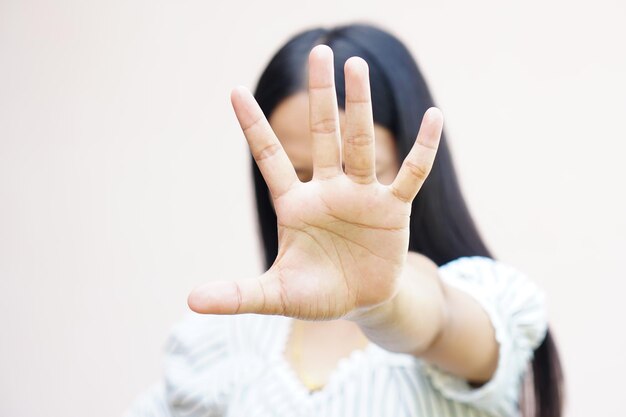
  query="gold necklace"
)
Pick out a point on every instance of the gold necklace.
point(296, 353)
point(312, 383)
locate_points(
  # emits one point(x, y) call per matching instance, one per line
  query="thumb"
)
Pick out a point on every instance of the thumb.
point(259, 295)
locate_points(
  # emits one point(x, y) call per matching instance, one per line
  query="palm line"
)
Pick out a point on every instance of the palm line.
point(332, 232)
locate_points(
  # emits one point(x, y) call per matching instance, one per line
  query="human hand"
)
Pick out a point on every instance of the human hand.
point(343, 236)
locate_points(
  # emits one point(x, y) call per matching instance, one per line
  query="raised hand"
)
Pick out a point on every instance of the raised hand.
point(343, 236)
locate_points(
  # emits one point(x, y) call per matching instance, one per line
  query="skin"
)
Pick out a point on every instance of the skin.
point(290, 122)
point(308, 350)
point(343, 204)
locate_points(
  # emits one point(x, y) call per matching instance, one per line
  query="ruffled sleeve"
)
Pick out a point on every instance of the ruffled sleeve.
point(197, 373)
point(516, 308)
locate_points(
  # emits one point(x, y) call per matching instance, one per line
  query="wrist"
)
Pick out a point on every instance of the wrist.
point(415, 317)
point(379, 314)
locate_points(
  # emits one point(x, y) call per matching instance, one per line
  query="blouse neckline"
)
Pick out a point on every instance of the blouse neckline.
point(357, 361)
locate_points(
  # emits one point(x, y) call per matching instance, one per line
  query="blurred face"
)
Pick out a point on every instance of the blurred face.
point(290, 121)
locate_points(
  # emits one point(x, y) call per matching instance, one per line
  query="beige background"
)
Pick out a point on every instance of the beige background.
point(124, 178)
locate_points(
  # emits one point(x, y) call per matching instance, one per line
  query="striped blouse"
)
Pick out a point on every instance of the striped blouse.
point(235, 365)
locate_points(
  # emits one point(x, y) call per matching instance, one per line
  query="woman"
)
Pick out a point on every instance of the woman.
point(380, 298)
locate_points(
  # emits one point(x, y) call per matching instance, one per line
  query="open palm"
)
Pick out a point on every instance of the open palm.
point(343, 236)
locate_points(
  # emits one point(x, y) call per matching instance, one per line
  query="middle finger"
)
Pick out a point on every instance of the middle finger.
point(359, 153)
point(324, 114)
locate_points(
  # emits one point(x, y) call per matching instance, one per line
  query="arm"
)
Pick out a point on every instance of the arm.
point(343, 236)
point(435, 321)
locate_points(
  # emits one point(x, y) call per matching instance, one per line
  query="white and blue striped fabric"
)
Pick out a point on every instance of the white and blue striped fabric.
point(235, 365)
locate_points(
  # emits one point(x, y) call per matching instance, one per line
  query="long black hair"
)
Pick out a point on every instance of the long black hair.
point(441, 226)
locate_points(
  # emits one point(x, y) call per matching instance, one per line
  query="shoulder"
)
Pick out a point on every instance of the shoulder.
point(207, 355)
point(482, 268)
point(198, 333)
point(498, 284)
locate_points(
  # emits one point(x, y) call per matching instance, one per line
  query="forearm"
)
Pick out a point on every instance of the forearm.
point(436, 322)
point(414, 318)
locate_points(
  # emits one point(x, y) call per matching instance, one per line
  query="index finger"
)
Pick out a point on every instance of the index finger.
point(266, 149)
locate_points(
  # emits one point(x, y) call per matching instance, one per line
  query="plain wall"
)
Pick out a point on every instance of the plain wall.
point(125, 179)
